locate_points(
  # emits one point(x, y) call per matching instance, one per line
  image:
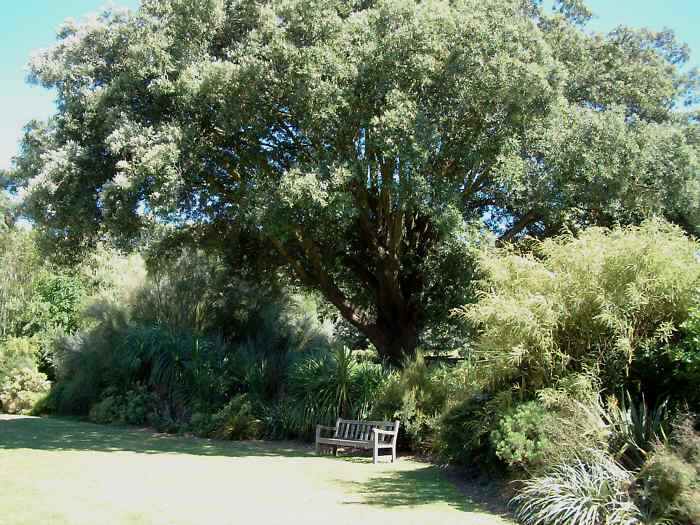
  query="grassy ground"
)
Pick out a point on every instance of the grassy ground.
point(55, 471)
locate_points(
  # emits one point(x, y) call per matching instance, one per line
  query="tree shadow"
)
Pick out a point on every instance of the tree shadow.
point(70, 435)
point(413, 488)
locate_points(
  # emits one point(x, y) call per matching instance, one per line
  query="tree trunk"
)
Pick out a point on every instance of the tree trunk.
point(395, 341)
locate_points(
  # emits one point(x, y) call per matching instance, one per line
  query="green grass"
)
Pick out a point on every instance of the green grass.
point(58, 471)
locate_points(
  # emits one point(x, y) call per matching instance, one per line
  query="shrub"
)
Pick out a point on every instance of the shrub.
point(589, 492)
point(668, 489)
point(17, 352)
point(522, 436)
point(235, 421)
point(674, 371)
point(21, 390)
point(594, 302)
point(464, 433)
point(418, 395)
point(134, 407)
point(668, 485)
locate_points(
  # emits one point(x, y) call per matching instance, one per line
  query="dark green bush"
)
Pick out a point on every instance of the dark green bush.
point(235, 421)
point(135, 407)
point(328, 385)
point(463, 435)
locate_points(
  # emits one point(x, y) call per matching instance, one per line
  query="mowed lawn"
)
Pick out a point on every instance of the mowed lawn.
point(55, 471)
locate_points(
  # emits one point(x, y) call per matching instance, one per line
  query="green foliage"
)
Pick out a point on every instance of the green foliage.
point(668, 488)
point(595, 303)
point(674, 371)
point(636, 429)
point(17, 352)
point(585, 492)
point(364, 147)
point(56, 303)
point(418, 395)
point(19, 265)
point(132, 408)
point(522, 436)
point(21, 389)
point(464, 431)
point(330, 385)
point(235, 421)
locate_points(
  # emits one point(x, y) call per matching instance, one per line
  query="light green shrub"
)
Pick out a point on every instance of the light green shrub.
point(21, 389)
point(592, 302)
point(668, 484)
point(522, 437)
point(668, 489)
point(418, 395)
point(17, 352)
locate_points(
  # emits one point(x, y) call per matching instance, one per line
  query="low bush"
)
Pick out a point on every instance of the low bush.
point(17, 352)
point(21, 389)
point(463, 435)
point(668, 489)
point(235, 421)
point(134, 407)
point(585, 492)
point(522, 437)
point(668, 484)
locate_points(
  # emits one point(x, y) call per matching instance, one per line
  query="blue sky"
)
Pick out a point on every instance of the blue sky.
point(30, 25)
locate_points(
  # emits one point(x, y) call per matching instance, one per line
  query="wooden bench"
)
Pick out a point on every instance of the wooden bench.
point(374, 435)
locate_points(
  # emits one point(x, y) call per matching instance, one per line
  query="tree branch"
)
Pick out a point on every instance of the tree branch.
point(519, 226)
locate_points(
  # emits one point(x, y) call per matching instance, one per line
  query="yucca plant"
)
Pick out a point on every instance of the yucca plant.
point(590, 492)
point(636, 428)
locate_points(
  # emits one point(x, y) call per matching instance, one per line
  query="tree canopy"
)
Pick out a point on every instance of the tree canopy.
point(365, 146)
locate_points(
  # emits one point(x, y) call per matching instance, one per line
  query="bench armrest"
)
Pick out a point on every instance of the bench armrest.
point(321, 428)
point(376, 432)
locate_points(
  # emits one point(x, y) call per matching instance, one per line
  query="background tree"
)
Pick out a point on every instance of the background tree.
point(364, 146)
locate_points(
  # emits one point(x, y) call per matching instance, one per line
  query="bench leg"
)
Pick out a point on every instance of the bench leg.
point(393, 453)
point(318, 448)
point(375, 453)
point(335, 450)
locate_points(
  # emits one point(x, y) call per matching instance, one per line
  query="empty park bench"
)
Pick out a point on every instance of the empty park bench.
point(374, 435)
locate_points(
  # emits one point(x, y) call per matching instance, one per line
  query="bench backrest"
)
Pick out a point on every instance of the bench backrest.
point(362, 430)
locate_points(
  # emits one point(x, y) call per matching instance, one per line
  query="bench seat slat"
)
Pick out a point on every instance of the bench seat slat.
point(351, 443)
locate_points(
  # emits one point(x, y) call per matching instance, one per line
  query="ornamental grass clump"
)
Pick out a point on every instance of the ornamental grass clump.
point(585, 492)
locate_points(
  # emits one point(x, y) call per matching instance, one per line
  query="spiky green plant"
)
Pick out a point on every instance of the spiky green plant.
point(636, 428)
point(590, 492)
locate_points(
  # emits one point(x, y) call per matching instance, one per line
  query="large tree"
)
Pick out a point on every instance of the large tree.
point(363, 144)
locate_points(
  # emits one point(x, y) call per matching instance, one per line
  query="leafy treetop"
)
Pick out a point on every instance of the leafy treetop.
point(363, 145)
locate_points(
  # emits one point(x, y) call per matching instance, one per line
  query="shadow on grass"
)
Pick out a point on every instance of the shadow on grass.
point(70, 435)
point(413, 488)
